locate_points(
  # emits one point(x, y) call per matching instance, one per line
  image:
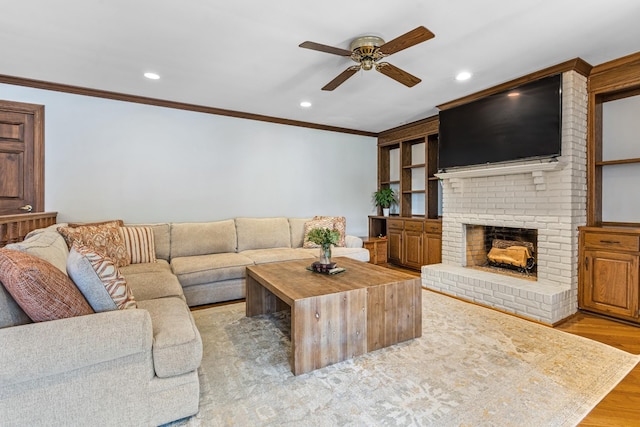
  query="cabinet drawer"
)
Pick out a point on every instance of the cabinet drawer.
point(395, 223)
point(433, 227)
point(413, 225)
point(623, 242)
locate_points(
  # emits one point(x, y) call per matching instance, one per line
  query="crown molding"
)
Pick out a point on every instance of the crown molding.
point(77, 90)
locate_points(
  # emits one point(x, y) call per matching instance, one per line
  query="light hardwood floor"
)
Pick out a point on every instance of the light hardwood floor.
point(621, 407)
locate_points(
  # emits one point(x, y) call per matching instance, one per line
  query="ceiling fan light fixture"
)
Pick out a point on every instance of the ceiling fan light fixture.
point(367, 64)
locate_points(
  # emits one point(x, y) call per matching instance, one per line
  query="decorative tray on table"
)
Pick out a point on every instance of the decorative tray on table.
point(331, 268)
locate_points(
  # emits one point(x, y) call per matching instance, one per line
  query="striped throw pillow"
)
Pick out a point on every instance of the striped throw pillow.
point(140, 244)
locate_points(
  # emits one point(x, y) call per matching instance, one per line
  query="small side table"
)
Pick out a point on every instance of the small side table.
point(377, 247)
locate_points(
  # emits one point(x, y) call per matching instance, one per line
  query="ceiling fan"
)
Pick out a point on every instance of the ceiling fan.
point(367, 51)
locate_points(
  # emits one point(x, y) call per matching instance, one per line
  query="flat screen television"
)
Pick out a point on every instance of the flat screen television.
point(516, 124)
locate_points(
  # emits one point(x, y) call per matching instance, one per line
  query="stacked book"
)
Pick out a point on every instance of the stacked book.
point(331, 268)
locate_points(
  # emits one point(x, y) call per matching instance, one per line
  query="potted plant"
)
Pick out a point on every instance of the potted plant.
point(325, 238)
point(385, 197)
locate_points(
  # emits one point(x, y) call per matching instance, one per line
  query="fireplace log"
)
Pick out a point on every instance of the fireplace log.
point(516, 256)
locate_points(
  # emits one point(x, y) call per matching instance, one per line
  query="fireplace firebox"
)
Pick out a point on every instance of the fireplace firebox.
point(504, 250)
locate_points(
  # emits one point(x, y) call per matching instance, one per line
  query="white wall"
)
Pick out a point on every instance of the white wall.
point(112, 159)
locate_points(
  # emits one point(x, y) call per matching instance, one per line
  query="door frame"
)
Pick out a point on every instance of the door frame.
point(38, 146)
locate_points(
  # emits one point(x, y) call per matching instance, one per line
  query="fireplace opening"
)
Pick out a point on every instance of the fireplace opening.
point(504, 250)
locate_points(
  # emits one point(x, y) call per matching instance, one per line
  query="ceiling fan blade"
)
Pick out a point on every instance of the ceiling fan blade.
point(397, 74)
point(413, 37)
point(325, 48)
point(342, 77)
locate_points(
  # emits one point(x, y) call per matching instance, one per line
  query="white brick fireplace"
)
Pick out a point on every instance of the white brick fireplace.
point(548, 196)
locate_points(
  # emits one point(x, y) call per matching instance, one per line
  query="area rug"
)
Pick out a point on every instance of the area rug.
point(473, 366)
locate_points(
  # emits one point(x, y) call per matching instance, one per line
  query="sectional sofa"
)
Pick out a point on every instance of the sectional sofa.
point(135, 366)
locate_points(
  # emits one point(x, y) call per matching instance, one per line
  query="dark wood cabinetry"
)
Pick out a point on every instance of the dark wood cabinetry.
point(412, 242)
point(609, 247)
point(407, 163)
point(377, 247)
point(609, 267)
point(432, 242)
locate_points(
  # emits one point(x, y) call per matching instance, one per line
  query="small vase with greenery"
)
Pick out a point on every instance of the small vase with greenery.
point(385, 198)
point(325, 238)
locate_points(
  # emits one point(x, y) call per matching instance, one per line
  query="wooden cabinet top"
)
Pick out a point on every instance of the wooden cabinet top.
point(610, 230)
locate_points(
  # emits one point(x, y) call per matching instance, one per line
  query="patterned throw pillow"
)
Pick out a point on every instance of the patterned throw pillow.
point(95, 273)
point(119, 222)
point(310, 225)
point(140, 244)
point(103, 238)
point(339, 224)
point(40, 289)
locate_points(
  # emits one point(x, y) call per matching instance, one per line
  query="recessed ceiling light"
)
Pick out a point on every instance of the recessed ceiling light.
point(463, 75)
point(305, 104)
point(152, 76)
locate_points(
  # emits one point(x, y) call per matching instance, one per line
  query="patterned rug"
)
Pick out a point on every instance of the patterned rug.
point(472, 367)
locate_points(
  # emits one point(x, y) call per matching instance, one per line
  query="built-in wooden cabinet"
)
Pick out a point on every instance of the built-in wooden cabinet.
point(407, 163)
point(609, 271)
point(609, 247)
point(377, 247)
point(432, 242)
point(411, 242)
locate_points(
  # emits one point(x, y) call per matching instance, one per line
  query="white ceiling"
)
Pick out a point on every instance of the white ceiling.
point(243, 55)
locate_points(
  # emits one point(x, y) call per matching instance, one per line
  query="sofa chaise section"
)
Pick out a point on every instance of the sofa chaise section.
point(121, 367)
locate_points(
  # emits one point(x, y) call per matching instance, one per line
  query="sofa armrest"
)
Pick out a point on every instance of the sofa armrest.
point(39, 350)
point(353, 242)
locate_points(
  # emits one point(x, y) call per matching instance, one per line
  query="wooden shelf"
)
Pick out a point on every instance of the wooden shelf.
point(413, 236)
point(617, 162)
point(414, 166)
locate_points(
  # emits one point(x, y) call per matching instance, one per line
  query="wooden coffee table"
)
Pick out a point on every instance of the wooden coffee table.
point(337, 317)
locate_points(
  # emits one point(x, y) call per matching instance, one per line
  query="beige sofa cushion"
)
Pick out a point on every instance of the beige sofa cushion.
point(48, 245)
point(263, 233)
point(262, 256)
point(201, 238)
point(196, 270)
point(10, 312)
point(177, 346)
point(152, 280)
point(296, 228)
point(150, 267)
